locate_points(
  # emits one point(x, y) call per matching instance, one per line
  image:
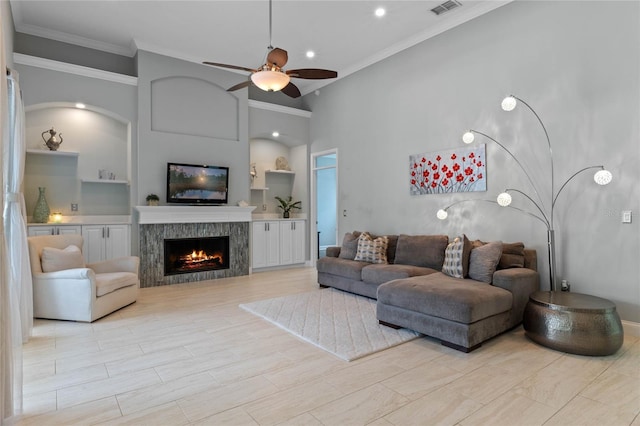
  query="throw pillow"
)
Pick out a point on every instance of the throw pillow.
point(53, 259)
point(456, 257)
point(349, 245)
point(421, 250)
point(370, 250)
point(484, 260)
point(512, 256)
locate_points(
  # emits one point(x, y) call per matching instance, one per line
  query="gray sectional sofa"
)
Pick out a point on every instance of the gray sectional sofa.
point(412, 291)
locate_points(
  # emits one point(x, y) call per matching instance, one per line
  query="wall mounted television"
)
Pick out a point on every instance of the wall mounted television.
point(197, 184)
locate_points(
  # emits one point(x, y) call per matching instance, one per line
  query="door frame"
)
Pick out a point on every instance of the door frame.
point(313, 249)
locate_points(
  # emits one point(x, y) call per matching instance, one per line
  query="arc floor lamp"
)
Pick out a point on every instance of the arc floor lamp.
point(544, 212)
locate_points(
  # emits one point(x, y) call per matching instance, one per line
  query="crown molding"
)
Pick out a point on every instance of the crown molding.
point(52, 65)
point(279, 108)
point(73, 39)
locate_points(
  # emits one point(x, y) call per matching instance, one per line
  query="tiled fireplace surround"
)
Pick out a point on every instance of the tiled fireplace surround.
point(164, 222)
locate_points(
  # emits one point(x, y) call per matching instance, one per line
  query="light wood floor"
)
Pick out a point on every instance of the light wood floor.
point(186, 354)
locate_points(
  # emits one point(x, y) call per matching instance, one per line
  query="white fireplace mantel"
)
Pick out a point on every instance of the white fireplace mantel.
point(193, 214)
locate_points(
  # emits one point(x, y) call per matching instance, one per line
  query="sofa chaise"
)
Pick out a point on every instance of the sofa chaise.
point(461, 292)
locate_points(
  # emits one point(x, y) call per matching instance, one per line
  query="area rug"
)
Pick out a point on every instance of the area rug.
point(341, 323)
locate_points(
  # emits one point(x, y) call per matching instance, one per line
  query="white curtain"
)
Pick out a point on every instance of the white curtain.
point(17, 286)
point(15, 227)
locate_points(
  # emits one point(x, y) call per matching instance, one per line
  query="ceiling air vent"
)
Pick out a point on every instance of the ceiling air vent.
point(446, 7)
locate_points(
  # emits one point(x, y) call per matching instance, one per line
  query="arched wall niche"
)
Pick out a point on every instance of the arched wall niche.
point(98, 139)
point(195, 107)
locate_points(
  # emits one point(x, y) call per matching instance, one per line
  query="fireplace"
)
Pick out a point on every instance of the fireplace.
point(189, 255)
point(160, 223)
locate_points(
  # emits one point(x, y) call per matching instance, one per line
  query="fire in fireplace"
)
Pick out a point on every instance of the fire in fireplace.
point(188, 255)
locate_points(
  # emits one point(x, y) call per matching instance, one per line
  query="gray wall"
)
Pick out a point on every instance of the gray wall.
point(576, 63)
point(167, 140)
point(7, 32)
point(72, 54)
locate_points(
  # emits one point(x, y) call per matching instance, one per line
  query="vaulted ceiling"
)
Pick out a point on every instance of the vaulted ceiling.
point(345, 35)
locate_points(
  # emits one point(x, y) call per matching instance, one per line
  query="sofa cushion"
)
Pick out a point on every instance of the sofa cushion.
point(111, 281)
point(421, 250)
point(456, 257)
point(442, 296)
point(512, 256)
point(342, 267)
point(54, 259)
point(484, 260)
point(372, 250)
point(349, 245)
point(378, 274)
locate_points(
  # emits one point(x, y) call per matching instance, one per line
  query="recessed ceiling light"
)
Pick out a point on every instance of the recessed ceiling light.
point(80, 105)
point(310, 54)
point(275, 134)
point(380, 12)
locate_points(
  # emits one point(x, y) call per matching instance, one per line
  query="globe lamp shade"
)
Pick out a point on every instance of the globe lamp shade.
point(602, 177)
point(509, 103)
point(442, 214)
point(468, 137)
point(504, 199)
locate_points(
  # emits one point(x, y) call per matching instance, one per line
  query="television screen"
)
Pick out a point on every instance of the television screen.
point(194, 184)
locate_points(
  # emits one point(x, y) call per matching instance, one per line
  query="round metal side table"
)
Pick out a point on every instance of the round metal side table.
point(573, 322)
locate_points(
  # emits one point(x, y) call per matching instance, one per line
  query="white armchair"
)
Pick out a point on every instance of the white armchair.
point(84, 292)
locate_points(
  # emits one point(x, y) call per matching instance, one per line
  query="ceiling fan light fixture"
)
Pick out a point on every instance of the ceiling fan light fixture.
point(270, 81)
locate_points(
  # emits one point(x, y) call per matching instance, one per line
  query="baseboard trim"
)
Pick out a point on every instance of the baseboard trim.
point(631, 328)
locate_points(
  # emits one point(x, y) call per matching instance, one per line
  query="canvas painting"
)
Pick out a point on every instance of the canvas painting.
point(448, 171)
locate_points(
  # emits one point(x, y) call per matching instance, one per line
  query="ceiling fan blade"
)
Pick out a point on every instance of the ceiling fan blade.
point(233, 67)
point(312, 73)
point(291, 90)
point(239, 86)
point(278, 57)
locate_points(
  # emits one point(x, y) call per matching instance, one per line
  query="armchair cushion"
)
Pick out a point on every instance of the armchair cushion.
point(54, 259)
point(112, 281)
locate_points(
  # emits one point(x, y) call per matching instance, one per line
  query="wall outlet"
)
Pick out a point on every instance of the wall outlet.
point(74, 207)
point(264, 207)
point(626, 216)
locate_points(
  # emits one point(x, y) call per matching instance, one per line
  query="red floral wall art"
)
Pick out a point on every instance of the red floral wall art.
point(454, 170)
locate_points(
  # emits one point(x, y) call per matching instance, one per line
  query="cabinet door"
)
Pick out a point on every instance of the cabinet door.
point(33, 231)
point(259, 245)
point(273, 243)
point(265, 250)
point(286, 239)
point(94, 243)
point(53, 230)
point(292, 242)
point(67, 230)
point(117, 241)
point(298, 241)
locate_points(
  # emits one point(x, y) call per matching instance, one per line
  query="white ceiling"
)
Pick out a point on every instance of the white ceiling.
point(346, 35)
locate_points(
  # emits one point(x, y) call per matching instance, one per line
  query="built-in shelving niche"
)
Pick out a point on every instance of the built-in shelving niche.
point(93, 139)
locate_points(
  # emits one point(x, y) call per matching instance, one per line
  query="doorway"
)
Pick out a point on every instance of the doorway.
point(324, 200)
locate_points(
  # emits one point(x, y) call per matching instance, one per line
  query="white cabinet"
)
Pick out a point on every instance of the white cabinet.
point(266, 244)
point(278, 242)
point(103, 242)
point(34, 230)
point(292, 242)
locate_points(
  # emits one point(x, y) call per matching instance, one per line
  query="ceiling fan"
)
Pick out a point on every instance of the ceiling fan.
point(271, 77)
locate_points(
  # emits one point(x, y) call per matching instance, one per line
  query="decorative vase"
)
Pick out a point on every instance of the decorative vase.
point(41, 211)
point(285, 215)
point(153, 202)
